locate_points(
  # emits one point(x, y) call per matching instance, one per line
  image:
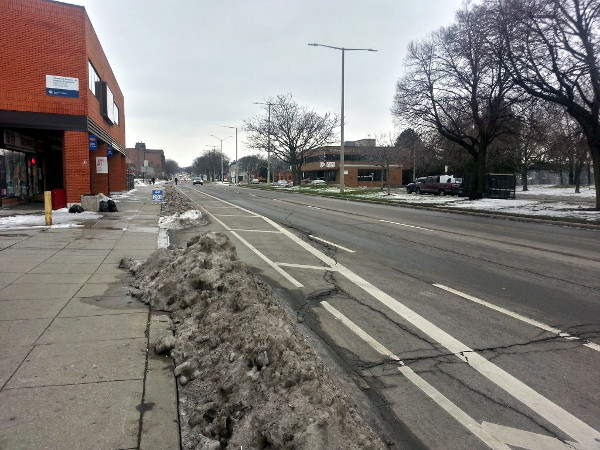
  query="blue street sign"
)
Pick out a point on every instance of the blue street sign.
point(93, 142)
point(158, 195)
point(109, 152)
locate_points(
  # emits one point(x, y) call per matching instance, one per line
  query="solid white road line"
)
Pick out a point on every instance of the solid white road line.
point(568, 423)
point(458, 414)
point(517, 316)
point(236, 215)
point(330, 243)
point(256, 231)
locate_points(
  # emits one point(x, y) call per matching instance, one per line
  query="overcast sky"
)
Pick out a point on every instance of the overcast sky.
point(189, 67)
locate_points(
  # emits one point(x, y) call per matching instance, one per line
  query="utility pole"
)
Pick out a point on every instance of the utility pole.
point(269, 104)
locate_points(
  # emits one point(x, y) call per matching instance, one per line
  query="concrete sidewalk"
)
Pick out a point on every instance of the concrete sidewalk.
point(75, 369)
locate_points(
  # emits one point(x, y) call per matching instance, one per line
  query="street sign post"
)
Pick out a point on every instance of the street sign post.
point(158, 195)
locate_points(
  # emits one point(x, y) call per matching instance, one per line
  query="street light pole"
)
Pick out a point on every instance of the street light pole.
point(269, 104)
point(221, 152)
point(236, 154)
point(343, 49)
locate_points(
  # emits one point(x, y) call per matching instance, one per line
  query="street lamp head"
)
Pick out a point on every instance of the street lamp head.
point(314, 45)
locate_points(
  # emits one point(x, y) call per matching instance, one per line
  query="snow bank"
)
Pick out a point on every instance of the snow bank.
point(247, 378)
point(179, 221)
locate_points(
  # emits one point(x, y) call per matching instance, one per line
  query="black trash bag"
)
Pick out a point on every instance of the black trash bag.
point(103, 206)
point(75, 209)
point(112, 207)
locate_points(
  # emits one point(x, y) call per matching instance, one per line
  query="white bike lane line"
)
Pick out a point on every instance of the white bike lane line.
point(584, 435)
point(518, 316)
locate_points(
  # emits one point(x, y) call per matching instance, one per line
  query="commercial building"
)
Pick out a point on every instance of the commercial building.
point(145, 162)
point(62, 114)
point(360, 166)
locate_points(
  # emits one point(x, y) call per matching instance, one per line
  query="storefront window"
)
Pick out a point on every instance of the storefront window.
point(20, 175)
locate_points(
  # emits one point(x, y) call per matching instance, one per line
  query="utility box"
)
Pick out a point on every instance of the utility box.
point(59, 198)
point(90, 202)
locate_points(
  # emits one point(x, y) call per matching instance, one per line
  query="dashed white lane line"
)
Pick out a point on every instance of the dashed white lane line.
point(330, 243)
point(517, 316)
point(404, 225)
point(313, 207)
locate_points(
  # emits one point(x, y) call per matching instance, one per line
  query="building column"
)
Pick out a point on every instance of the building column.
point(117, 181)
point(99, 181)
point(76, 165)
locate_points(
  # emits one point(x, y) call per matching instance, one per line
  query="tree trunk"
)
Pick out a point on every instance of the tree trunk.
point(388, 179)
point(596, 162)
point(296, 174)
point(478, 176)
point(524, 180)
point(382, 177)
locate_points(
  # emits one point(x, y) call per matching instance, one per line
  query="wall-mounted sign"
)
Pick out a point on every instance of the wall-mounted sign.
point(109, 152)
point(62, 86)
point(101, 164)
point(93, 142)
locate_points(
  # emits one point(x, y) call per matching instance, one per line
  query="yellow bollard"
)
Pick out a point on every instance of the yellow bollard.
point(48, 207)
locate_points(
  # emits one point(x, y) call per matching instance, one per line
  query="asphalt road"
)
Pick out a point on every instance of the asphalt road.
point(461, 331)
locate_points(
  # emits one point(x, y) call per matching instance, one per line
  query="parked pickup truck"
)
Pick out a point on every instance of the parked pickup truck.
point(439, 185)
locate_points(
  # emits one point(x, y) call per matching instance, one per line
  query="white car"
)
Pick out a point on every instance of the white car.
point(282, 183)
point(255, 181)
point(318, 182)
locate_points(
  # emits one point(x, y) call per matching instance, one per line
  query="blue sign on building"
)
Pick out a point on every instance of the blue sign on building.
point(158, 195)
point(109, 149)
point(93, 142)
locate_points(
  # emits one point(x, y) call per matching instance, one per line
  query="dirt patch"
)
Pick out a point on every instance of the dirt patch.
point(247, 378)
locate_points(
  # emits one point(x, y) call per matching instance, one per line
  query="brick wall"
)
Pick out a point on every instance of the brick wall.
point(76, 163)
point(116, 166)
point(41, 38)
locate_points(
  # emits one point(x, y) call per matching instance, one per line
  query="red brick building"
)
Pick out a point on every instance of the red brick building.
point(62, 114)
point(324, 164)
point(146, 162)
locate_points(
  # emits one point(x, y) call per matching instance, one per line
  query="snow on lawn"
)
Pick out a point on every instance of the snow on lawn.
point(61, 218)
point(548, 189)
point(529, 206)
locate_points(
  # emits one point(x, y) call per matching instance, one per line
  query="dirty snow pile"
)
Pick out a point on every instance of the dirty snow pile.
point(178, 221)
point(247, 378)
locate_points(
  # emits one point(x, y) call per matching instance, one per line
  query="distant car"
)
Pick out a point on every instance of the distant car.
point(197, 180)
point(281, 183)
point(255, 181)
point(318, 182)
point(412, 186)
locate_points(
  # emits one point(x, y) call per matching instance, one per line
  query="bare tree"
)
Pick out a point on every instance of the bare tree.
point(209, 164)
point(386, 156)
point(294, 131)
point(171, 167)
point(455, 84)
point(253, 165)
point(552, 51)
